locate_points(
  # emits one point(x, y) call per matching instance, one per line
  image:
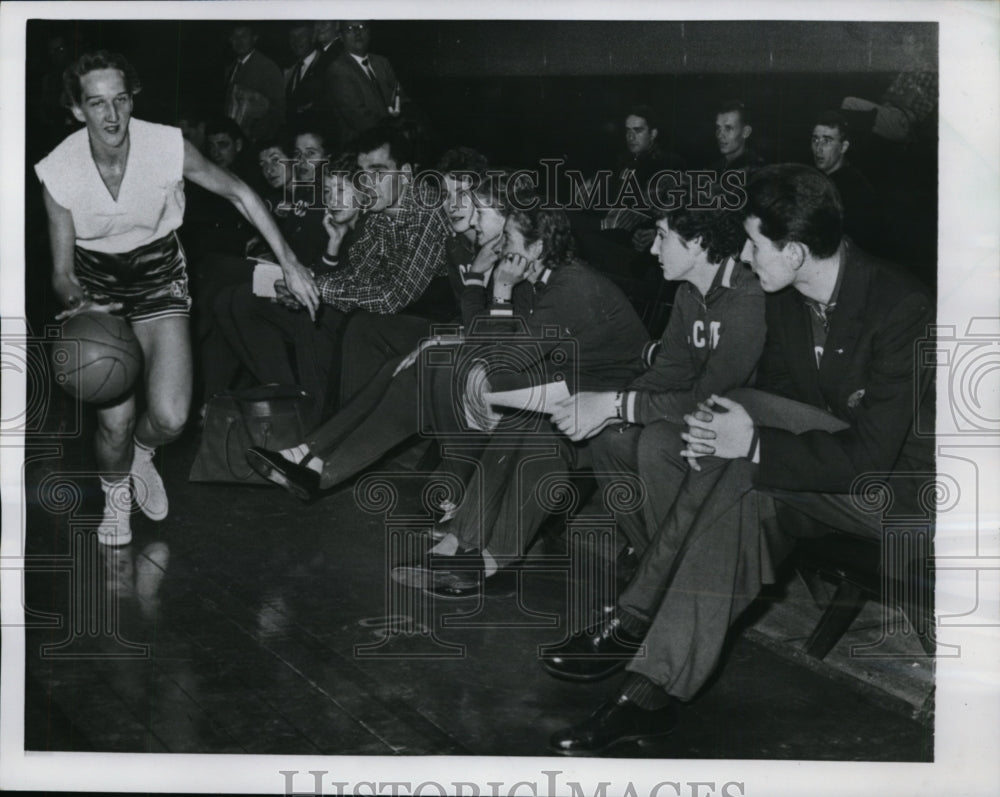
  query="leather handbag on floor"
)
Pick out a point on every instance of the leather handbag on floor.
point(270, 416)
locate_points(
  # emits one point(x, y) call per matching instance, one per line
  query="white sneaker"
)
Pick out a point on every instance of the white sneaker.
point(150, 493)
point(115, 528)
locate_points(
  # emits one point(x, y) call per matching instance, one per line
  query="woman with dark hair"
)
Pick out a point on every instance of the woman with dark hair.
point(114, 194)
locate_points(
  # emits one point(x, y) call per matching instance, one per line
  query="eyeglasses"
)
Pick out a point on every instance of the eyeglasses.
point(356, 28)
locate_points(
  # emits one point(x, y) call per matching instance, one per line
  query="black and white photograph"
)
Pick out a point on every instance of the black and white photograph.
point(446, 400)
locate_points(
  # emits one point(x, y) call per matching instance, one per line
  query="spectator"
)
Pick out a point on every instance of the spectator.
point(910, 99)
point(732, 132)
point(361, 87)
point(304, 78)
point(831, 406)
point(255, 90)
point(372, 338)
point(384, 265)
point(712, 343)
point(226, 281)
point(862, 214)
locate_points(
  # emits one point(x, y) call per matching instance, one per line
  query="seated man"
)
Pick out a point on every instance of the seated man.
point(608, 239)
point(836, 401)
point(372, 339)
point(712, 343)
point(862, 215)
point(643, 160)
point(732, 132)
point(386, 264)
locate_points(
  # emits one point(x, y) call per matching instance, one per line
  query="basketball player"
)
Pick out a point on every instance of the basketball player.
point(114, 193)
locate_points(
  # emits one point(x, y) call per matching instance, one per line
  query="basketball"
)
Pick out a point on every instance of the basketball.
point(98, 358)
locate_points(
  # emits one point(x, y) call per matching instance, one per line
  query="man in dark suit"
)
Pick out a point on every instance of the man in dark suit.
point(361, 87)
point(255, 88)
point(304, 78)
point(329, 45)
point(837, 388)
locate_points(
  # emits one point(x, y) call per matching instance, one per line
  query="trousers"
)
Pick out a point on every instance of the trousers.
point(283, 346)
point(718, 546)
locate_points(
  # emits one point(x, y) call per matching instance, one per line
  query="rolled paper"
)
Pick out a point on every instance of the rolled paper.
point(538, 398)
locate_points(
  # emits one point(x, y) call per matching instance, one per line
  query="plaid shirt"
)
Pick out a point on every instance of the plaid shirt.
point(916, 93)
point(392, 260)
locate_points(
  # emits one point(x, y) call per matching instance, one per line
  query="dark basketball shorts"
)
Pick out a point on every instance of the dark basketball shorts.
point(150, 281)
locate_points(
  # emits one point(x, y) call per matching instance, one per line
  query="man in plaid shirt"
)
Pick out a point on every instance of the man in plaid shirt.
point(400, 247)
point(381, 261)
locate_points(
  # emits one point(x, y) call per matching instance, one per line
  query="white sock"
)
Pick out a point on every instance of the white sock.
point(491, 564)
point(296, 453)
point(316, 464)
point(448, 546)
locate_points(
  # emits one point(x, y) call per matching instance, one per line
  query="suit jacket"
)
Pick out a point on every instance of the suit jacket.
point(258, 78)
point(326, 57)
point(308, 92)
point(357, 103)
point(868, 377)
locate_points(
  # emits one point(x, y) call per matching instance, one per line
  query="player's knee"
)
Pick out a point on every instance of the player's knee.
point(169, 419)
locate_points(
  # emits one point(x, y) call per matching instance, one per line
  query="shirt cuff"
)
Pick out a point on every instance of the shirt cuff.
point(628, 406)
point(649, 352)
point(470, 279)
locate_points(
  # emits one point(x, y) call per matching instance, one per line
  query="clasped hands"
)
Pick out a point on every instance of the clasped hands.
point(719, 428)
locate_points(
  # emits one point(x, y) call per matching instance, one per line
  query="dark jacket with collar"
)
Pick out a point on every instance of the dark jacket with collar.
point(357, 103)
point(308, 91)
point(711, 345)
point(263, 76)
point(572, 324)
point(869, 377)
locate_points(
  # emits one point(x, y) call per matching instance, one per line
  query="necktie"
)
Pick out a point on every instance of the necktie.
point(296, 75)
point(366, 65)
point(371, 74)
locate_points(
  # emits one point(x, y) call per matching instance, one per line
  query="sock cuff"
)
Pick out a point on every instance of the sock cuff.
point(142, 446)
point(644, 693)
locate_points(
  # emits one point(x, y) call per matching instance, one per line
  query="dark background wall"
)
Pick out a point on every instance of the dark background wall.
point(521, 90)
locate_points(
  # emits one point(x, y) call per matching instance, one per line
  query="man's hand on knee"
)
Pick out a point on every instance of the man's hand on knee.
point(719, 427)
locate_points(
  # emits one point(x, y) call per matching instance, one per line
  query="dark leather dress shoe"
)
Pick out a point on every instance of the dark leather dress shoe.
point(591, 655)
point(300, 481)
point(616, 721)
point(458, 576)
